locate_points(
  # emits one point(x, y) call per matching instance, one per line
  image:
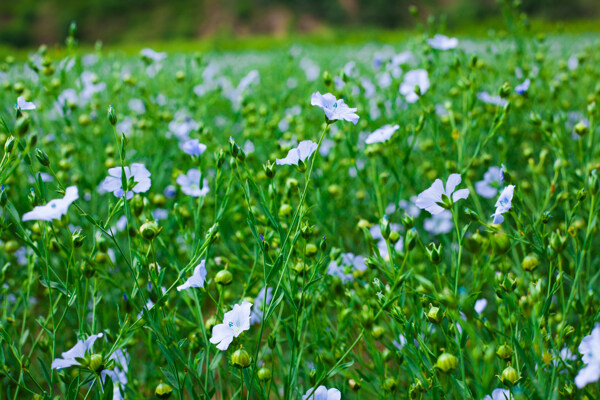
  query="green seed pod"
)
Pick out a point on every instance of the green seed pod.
point(505, 352)
point(434, 314)
point(505, 90)
point(150, 230)
point(96, 363)
point(581, 129)
point(354, 385)
point(264, 374)
point(500, 243)
point(224, 277)
point(384, 224)
point(327, 79)
point(270, 169)
point(163, 391)
point(509, 376)
point(390, 385)
point(241, 358)
point(411, 239)
point(530, 262)
point(394, 237)
point(446, 362)
point(22, 125)
point(558, 242)
point(137, 205)
point(311, 250)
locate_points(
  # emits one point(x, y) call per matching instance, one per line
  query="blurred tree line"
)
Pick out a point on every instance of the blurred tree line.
point(31, 22)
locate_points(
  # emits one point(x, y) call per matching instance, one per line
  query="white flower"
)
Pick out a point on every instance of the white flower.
point(321, 393)
point(416, 77)
point(234, 323)
point(193, 147)
point(153, 55)
point(301, 153)
point(431, 198)
point(55, 209)
point(442, 42)
point(78, 351)
point(197, 278)
point(138, 173)
point(590, 350)
point(190, 183)
point(382, 134)
point(24, 105)
point(334, 109)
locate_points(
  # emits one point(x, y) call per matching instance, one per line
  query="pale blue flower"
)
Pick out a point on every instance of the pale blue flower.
point(334, 109)
point(590, 350)
point(499, 394)
point(503, 204)
point(321, 393)
point(118, 374)
point(259, 305)
point(301, 153)
point(78, 351)
point(137, 173)
point(492, 180)
point(193, 147)
point(24, 105)
point(439, 223)
point(442, 42)
point(432, 198)
point(190, 183)
point(197, 279)
point(523, 87)
point(480, 305)
point(55, 209)
point(234, 323)
point(412, 79)
point(489, 99)
point(382, 134)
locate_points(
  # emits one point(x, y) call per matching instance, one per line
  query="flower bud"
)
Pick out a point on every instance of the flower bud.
point(323, 244)
point(327, 79)
point(42, 157)
point(112, 115)
point(504, 91)
point(408, 221)
point(163, 391)
point(411, 239)
point(354, 385)
point(581, 194)
point(224, 277)
point(150, 230)
point(234, 149)
point(240, 358)
point(77, 238)
point(311, 250)
point(446, 362)
point(9, 144)
point(270, 169)
point(390, 384)
point(394, 237)
point(384, 224)
point(434, 253)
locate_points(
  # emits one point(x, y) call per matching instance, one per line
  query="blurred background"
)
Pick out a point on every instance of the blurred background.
point(26, 23)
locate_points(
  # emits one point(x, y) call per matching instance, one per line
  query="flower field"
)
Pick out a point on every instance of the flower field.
point(413, 220)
